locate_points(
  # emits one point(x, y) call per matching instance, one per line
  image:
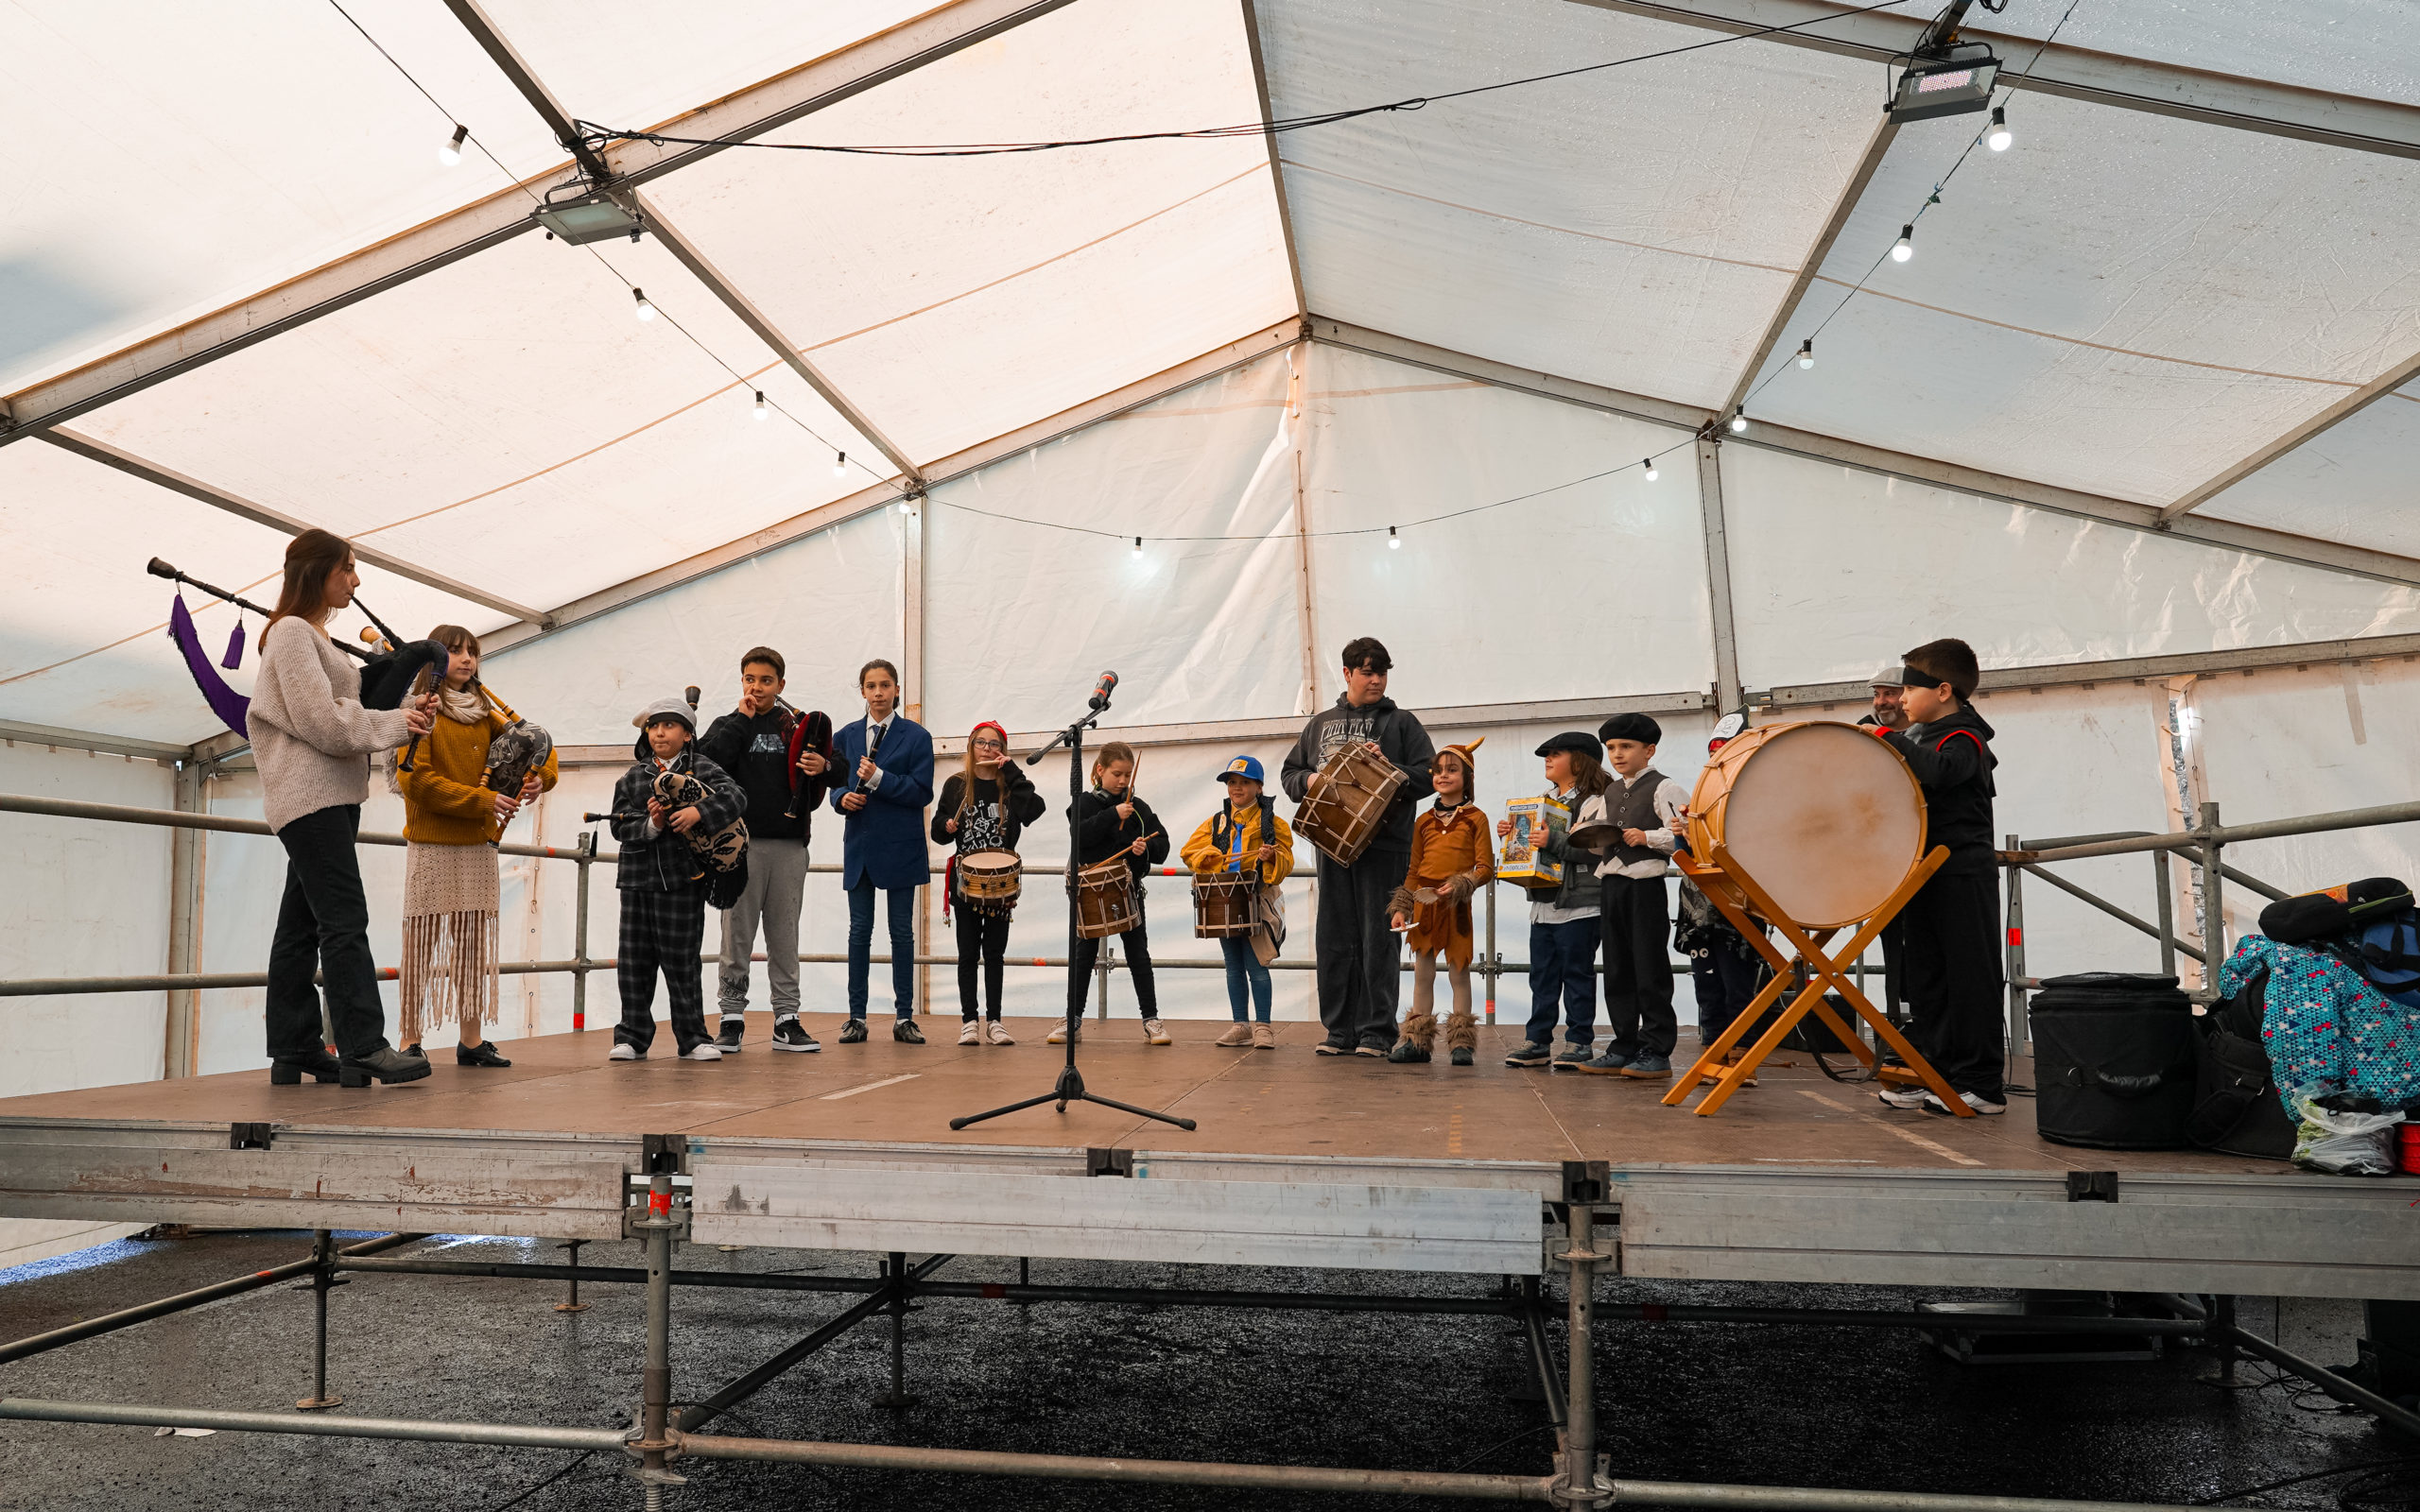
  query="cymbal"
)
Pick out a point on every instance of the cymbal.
point(1598, 837)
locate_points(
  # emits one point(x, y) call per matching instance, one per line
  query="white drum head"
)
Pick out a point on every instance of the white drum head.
point(1827, 819)
point(991, 860)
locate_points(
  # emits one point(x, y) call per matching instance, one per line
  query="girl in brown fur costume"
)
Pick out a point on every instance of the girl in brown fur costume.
point(1453, 855)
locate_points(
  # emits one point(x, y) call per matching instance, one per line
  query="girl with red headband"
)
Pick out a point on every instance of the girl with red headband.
point(984, 807)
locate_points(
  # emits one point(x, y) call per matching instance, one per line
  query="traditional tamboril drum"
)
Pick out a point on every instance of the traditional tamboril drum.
point(1225, 904)
point(992, 879)
point(1356, 784)
point(1105, 899)
point(1826, 818)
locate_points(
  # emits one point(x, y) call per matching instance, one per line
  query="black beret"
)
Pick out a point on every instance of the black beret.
point(1639, 728)
point(1570, 740)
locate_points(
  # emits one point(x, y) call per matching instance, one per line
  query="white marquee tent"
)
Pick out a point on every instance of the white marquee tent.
point(2132, 419)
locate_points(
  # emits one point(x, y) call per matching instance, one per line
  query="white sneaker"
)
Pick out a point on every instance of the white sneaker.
point(705, 1052)
point(1910, 1098)
point(1983, 1105)
point(999, 1033)
point(1154, 1035)
point(1059, 1035)
point(622, 1052)
point(970, 1032)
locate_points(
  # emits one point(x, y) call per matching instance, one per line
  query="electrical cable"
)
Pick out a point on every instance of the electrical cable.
point(2297, 1480)
point(575, 1462)
point(596, 135)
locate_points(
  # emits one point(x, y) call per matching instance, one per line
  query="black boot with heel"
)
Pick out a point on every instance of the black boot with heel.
point(384, 1064)
point(288, 1071)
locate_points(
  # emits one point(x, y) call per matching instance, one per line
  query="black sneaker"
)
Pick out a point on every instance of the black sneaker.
point(482, 1054)
point(854, 1032)
point(906, 1032)
point(1531, 1054)
point(788, 1034)
point(733, 1030)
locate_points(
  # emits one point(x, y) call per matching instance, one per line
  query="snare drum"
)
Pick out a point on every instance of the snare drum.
point(991, 879)
point(1357, 785)
point(1105, 899)
point(1225, 904)
point(1829, 819)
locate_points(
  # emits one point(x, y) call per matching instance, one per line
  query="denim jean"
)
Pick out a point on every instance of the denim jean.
point(1245, 974)
point(902, 904)
point(1562, 975)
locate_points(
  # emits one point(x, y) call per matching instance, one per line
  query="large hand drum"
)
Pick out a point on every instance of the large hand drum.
point(1826, 818)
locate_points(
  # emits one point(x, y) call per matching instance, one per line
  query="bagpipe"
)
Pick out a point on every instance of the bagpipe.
point(386, 672)
point(721, 855)
point(810, 732)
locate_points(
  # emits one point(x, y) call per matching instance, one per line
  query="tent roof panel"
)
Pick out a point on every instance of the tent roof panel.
point(161, 170)
point(2351, 483)
point(2366, 48)
point(1632, 227)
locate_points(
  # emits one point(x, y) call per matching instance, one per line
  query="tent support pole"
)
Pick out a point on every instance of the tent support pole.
point(1718, 575)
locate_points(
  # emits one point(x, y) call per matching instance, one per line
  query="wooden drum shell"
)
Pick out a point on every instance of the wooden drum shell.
point(1357, 784)
point(1826, 818)
point(1105, 899)
point(994, 877)
point(1225, 905)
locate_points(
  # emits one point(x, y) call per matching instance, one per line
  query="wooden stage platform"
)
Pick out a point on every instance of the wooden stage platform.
point(1299, 1161)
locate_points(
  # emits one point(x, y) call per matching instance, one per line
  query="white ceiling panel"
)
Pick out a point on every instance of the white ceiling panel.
point(954, 300)
point(509, 422)
point(165, 167)
point(2121, 302)
point(2366, 48)
point(83, 638)
point(1634, 227)
point(2357, 482)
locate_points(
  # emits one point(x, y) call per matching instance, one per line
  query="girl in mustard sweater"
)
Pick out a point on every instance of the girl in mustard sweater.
point(452, 934)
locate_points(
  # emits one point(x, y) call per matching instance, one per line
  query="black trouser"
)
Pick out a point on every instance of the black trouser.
point(324, 925)
point(1951, 965)
point(1638, 967)
point(982, 941)
point(1894, 983)
point(662, 931)
point(1726, 982)
point(1360, 959)
point(1136, 946)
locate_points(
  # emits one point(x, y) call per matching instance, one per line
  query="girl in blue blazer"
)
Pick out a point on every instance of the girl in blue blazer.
point(886, 770)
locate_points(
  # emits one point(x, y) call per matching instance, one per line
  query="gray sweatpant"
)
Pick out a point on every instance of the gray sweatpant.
point(776, 889)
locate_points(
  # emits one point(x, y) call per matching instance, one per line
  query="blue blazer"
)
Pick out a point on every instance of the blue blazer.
point(884, 842)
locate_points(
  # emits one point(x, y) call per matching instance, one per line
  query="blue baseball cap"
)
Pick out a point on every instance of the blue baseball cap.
point(1244, 766)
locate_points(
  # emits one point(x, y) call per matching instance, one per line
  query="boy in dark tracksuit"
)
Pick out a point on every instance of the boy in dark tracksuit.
point(1952, 940)
point(662, 884)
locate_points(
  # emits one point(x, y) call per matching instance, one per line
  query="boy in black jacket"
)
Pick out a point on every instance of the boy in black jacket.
point(1952, 943)
point(662, 884)
point(752, 744)
point(1111, 820)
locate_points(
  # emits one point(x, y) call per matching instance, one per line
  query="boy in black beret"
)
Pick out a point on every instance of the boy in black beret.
point(1646, 805)
point(1953, 939)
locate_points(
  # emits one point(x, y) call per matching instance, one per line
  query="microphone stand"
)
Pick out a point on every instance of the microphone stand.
point(1070, 1087)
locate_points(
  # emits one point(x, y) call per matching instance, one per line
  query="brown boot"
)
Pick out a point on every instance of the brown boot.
point(1419, 1035)
point(1264, 1036)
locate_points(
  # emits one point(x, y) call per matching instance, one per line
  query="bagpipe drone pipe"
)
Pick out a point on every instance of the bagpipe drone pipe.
point(387, 673)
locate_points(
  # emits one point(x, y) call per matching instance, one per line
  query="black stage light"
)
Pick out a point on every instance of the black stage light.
point(592, 217)
point(1950, 82)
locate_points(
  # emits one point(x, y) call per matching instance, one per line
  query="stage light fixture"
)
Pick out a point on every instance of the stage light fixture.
point(592, 217)
point(646, 311)
point(2000, 138)
point(1648, 463)
point(450, 155)
point(1955, 80)
point(1394, 542)
point(1905, 246)
point(763, 411)
point(1806, 352)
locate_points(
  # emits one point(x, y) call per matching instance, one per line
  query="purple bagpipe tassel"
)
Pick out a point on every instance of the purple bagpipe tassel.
point(234, 656)
point(229, 705)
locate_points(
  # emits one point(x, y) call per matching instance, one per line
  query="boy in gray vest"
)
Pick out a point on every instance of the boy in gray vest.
point(1646, 805)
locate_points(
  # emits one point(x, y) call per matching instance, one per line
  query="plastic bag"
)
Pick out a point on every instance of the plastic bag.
point(2340, 1141)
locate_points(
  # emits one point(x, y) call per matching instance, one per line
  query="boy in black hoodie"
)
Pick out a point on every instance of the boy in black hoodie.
point(1952, 943)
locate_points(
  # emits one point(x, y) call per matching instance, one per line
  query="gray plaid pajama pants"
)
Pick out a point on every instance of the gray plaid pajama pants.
point(662, 931)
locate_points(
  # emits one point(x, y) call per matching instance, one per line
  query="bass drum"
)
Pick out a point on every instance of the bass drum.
point(1829, 819)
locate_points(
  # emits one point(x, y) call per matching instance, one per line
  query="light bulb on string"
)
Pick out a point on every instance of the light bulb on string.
point(1138, 548)
point(1806, 352)
point(763, 411)
point(1739, 420)
point(840, 464)
point(1998, 138)
point(450, 155)
point(1394, 542)
point(1648, 463)
point(646, 311)
point(1905, 246)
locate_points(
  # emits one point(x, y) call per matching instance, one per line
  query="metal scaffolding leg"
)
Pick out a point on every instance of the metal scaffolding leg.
point(655, 1407)
point(897, 1397)
point(323, 1276)
point(571, 1302)
point(1586, 1478)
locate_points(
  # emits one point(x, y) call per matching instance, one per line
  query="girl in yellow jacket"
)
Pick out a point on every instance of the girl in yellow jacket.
point(452, 937)
point(1236, 839)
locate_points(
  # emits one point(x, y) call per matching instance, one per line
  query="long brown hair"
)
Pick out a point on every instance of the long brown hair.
point(1110, 755)
point(966, 793)
point(453, 638)
point(309, 559)
point(1588, 774)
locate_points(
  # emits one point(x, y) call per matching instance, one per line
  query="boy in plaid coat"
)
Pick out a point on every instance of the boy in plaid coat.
point(661, 879)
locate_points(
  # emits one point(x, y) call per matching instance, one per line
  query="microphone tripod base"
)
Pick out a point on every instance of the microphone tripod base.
point(1071, 1088)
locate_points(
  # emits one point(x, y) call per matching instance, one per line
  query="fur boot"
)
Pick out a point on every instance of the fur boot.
point(1461, 1036)
point(1419, 1036)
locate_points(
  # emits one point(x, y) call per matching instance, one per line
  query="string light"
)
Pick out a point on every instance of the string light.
point(1394, 542)
point(1138, 547)
point(2000, 138)
point(646, 311)
point(1648, 463)
point(1739, 420)
point(1806, 352)
point(1905, 246)
point(450, 155)
point(763, 411)
point(840, 464)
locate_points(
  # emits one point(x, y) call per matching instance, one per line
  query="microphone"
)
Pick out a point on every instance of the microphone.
point(1101, 690)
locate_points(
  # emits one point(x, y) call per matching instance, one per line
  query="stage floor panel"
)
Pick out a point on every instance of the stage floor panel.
point(1799, 1178)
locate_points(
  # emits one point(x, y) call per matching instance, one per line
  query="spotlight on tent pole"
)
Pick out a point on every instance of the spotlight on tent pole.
point(450, 155)
point(763, 411)
point(585, 218)
point(1648, 463)
point(1905, 246)
point(646, 311)
point(1998, 138)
